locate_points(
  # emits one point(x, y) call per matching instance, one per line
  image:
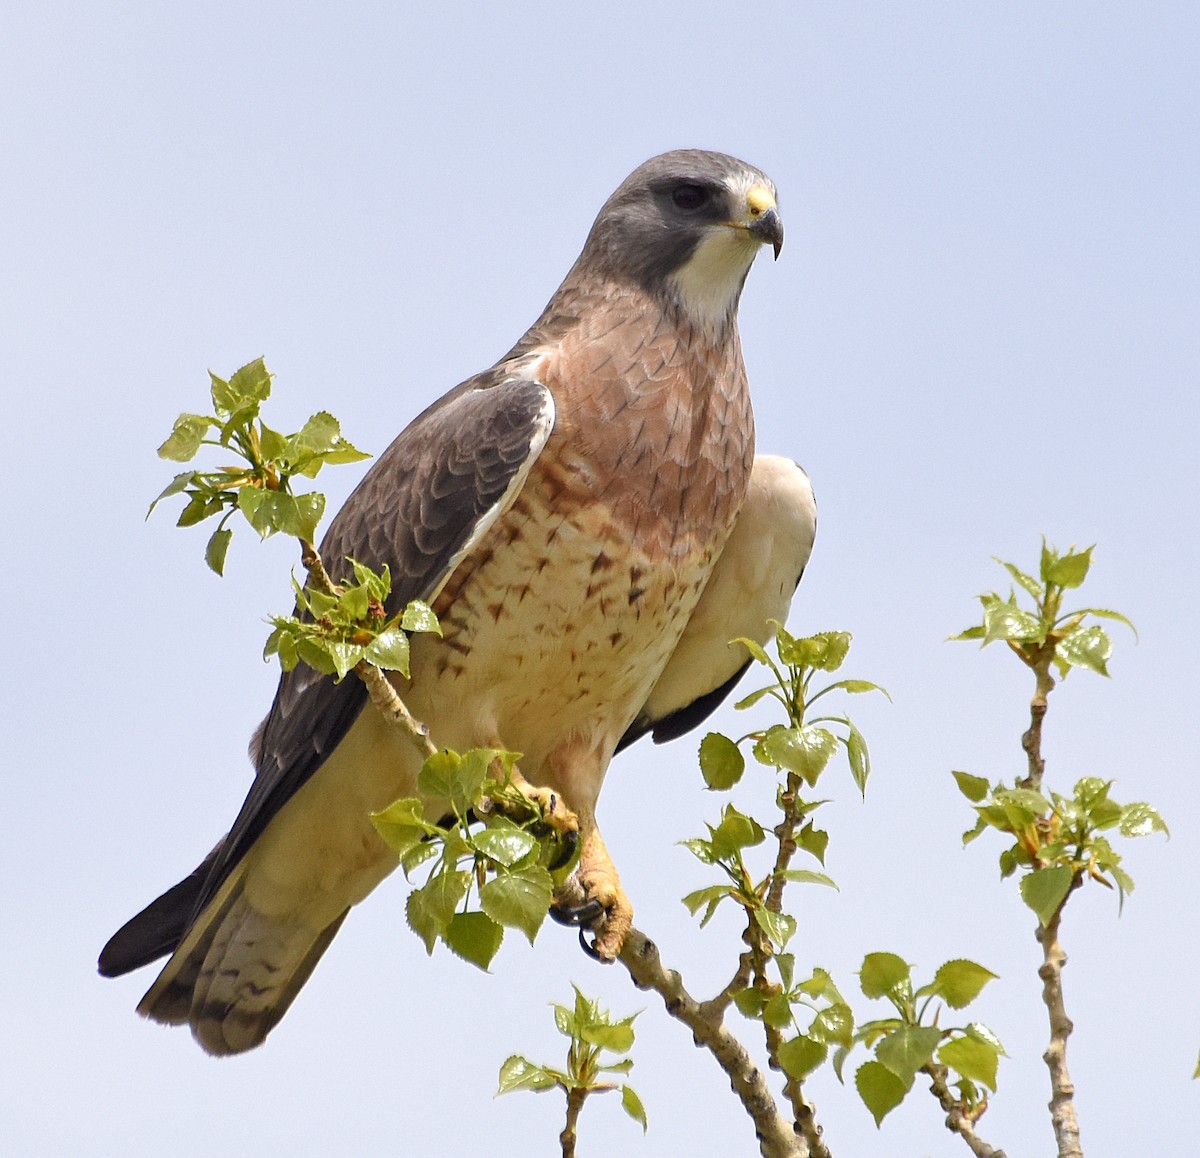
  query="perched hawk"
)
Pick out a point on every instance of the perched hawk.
point(569, 514)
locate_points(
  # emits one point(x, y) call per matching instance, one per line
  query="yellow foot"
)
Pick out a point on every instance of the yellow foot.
point(593, 899)
point(519, 798)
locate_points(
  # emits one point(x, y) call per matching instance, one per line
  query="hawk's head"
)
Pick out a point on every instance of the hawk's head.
point(687, 224)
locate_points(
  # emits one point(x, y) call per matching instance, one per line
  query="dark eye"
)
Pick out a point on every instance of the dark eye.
point(689, 197)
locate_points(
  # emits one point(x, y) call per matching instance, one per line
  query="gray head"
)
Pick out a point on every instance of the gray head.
point(687, 224)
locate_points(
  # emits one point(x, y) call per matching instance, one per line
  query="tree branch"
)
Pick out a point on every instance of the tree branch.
point(1062, 1099)
point(957, 1120)
point(776, 1137)
point(1062, 1089)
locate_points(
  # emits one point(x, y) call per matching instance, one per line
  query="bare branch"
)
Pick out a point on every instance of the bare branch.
point(776, 1137)
point(958, 1121)
point(1062, 1099)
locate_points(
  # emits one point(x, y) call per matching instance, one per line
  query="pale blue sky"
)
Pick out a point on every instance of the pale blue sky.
point(984, 327)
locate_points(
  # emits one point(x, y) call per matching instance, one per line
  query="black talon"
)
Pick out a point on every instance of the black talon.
point(590, 949)
point(570, 843)
point(583, 915)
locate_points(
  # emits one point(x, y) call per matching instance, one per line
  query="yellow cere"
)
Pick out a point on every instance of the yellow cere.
point(759, 200)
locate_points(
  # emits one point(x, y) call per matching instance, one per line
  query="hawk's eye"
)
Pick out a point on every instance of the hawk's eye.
point(690, 197)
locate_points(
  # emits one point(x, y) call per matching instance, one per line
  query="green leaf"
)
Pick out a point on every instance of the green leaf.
point(1028, 582)
point(518, 899)
point(1069, 570)
point(835, 1023)
point(779, 927)
point(824, 651)
point(1108, 613)
point(504, 843)
point(882, 973)
point(959, 982)
point(749, 1002)
point(315, 655)
point(801, 1055)
point(251, 384)
point(777, 1011)
point(974, 788)
point(617, 1037)
point(178, 484)
point(1141, 819)
point(184, 440)
point(859, 757)
point(976, 632)
point(752, 699)
point(419, 616)
point(345, 656)
point(806, 877)
point(402, 824)
point(320, 433)
point(906, 1050)
point(197, 510)
point(1043, 890)
point(1007, 621)
point(430, 908)
point(440, 777)
point(709, 898)
point(632, 1105)
point(755, 649)
point(973, 1057)
point(214, 553)
point(857, 687)
point(389, 651)
point(1088, 647)
point(804, 751)
point(735, 832)
point(474, 937)
point(813, 840)
point(721, 762)
point(518, 1073)
point(879, 1088)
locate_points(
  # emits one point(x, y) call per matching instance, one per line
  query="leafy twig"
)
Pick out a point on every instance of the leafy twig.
point(383, 695)
point(957, 1120)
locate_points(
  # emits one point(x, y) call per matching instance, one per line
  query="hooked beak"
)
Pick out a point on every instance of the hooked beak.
point(762, 220)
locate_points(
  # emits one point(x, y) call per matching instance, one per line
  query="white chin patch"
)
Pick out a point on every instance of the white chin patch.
point(707, 286)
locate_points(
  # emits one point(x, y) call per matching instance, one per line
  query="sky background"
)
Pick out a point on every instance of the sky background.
point(983, 329)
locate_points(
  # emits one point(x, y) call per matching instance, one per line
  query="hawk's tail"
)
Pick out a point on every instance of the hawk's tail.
point(232, 976)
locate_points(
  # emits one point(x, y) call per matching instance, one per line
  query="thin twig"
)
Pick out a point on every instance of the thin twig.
point(1031, 741)
point(776, 1137)
point(957, 1119)
point(575, 1099)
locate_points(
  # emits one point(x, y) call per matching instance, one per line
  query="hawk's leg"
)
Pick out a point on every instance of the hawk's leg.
point(520, 798)
point(593, 896)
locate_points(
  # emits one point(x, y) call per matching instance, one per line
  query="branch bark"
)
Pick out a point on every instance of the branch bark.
point(575, 1100)
point(776, 1136)
point(1062, 1097)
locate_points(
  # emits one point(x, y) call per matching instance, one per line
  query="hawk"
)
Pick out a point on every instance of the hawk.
point(568, 513)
